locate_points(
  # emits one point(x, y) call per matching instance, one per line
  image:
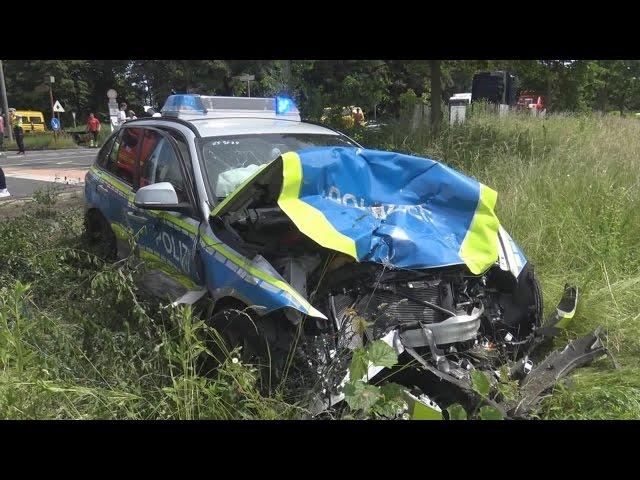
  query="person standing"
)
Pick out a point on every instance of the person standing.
point(3, 185)
point(122, 114)
point(93, 128)
point(18, 132)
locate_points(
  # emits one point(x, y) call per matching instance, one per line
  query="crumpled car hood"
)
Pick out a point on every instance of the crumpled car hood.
point(385, 207)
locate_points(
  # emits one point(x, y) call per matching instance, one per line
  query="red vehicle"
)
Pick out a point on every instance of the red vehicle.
point(527, 98)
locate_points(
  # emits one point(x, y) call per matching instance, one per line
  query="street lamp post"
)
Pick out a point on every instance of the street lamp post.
point(50, 80)
point(5, 104)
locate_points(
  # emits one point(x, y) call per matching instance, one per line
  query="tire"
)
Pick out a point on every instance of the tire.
point(99, 234)
point(233, 327)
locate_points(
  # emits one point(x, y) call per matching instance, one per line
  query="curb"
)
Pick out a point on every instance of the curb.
point(26, 200)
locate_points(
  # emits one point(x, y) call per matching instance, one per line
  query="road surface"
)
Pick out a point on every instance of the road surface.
point(28, 173)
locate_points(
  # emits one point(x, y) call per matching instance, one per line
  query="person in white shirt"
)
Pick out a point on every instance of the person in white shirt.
point(122, 114)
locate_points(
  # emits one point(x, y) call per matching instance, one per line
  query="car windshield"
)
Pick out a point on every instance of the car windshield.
point(230, 160)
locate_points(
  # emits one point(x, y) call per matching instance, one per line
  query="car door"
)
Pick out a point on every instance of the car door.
point(110, 184)
point(166, 240)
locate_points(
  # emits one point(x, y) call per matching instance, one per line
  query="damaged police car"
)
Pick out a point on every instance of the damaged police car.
point(304, 242)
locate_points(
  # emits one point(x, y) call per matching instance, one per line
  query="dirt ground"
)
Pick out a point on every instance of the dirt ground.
point(12, 208)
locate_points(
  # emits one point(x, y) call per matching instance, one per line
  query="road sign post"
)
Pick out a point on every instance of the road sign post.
point(50, 80)
point(55, 126)
point(248, 79)
point(57, 108)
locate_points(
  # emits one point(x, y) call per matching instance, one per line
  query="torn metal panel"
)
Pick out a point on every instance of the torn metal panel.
point(557, 365)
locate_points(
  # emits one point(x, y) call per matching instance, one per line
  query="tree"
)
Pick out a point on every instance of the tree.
point(436, 95)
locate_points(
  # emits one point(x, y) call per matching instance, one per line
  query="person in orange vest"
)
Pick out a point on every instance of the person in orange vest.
point(93, 128)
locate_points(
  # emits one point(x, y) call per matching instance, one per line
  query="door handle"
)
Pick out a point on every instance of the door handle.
point(102, 189)
point(137, 218)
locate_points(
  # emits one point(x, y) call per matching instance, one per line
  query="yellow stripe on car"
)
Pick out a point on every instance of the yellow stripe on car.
point(246, 265)
point(155, 261)
point(479, 249)
point(120, 231)
point(114, 182)
point(308, 219)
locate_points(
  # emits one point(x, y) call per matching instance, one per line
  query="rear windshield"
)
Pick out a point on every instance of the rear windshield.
point(229, 161)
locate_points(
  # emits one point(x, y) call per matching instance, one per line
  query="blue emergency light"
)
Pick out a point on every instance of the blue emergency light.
point(190, 106)
point(184, 104)
point(284, 105)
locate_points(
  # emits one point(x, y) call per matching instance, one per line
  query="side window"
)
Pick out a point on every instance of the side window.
point(159, 163)
point(104, 152)
point(122, 158)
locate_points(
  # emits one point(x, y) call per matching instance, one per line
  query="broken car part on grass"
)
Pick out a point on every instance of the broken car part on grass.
point(380, 245)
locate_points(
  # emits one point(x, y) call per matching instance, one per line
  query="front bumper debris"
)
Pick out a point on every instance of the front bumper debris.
point(535, 381)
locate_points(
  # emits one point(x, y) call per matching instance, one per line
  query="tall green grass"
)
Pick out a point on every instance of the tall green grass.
point(569, 193)
point(43, 141)
point(77, 340)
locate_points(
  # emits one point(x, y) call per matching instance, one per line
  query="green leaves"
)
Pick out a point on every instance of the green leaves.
point(385, 401)
point(378, 353)
point(456, 412)
point(490, 413)
point(381, 354)
point(359, 364)
point(480, 383)
point(361, 396)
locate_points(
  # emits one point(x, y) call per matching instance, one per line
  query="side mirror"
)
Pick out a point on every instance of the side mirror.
point(160, 196)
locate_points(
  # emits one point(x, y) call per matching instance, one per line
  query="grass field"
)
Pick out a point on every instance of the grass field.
point(78, 341)
point(569, 193)
point(42, 141)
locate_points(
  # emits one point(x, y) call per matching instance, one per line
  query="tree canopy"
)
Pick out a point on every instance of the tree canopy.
point(375, 85)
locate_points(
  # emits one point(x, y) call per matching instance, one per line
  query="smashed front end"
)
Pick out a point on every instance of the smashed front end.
point(380, 245)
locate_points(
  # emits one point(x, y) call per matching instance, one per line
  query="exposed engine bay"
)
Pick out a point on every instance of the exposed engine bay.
point(445, 315)
point(456, 322)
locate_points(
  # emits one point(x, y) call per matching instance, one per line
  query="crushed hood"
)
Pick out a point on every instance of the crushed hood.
point(391, 208)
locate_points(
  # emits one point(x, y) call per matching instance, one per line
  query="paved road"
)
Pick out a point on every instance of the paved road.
point(45, 168)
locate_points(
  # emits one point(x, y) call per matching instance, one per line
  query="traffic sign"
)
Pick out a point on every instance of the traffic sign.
point(57, 107)
point(55, 124)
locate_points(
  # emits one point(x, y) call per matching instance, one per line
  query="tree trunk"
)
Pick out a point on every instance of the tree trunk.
point(436, 95)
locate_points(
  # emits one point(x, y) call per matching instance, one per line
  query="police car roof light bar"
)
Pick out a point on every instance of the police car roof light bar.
point(192, 106)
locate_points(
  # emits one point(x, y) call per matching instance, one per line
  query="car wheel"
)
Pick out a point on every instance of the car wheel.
point(99, 234)
point(230, 328)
